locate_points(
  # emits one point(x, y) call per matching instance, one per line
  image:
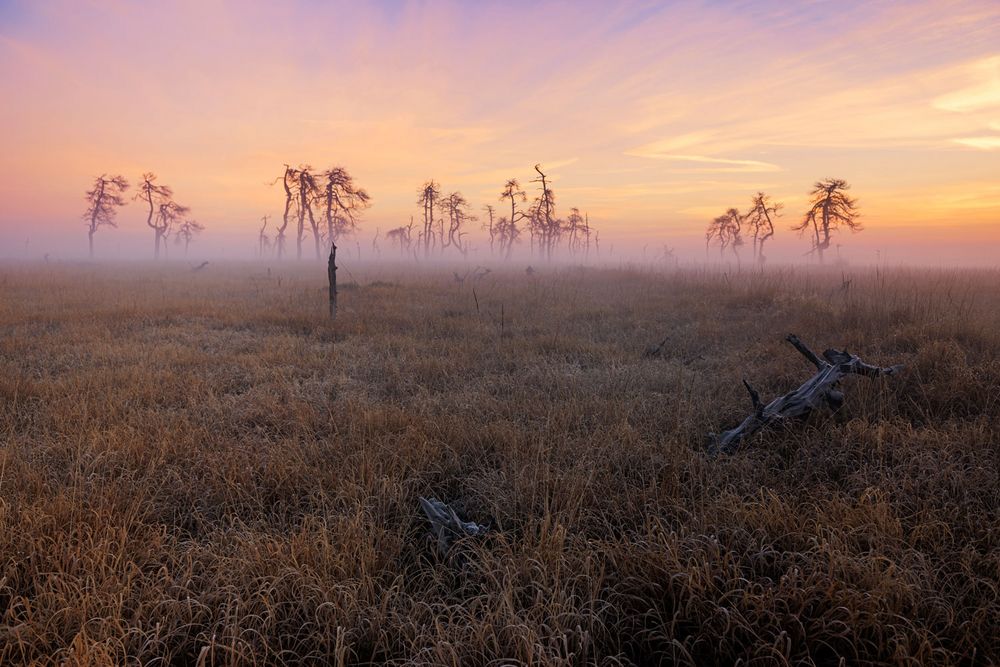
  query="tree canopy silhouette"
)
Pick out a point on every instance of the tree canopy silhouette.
point(103, 202)
point(830, 207)
point(343, 202)
point(760, 220)
point(427, 197)
point(162, 209)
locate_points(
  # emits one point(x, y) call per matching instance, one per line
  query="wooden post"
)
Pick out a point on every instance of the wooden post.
point(331, 272)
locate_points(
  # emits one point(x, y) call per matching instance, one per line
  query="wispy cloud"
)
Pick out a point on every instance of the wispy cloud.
point(668, 109)
point(983, 94)
point(984, 143)
point(717, 164)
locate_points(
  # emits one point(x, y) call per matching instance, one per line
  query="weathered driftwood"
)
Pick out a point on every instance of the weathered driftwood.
point(331, 274)
point(445, 524)
point(817, 392)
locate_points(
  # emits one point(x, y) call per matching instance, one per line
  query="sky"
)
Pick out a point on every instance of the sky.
point(653, 117)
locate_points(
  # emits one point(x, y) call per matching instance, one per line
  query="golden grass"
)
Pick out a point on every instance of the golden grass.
point(200, 468)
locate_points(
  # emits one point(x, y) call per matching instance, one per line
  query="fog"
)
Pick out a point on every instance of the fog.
point(132, 241)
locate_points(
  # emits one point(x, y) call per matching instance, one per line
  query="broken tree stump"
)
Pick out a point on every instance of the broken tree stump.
point(817, 392)
point(331, 274)
point(445, 524)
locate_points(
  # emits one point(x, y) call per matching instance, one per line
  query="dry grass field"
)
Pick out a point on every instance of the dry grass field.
point(201, 468)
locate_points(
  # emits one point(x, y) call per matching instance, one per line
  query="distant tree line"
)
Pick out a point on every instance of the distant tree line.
point(324, 204)
point(444, 220)
point(830, 208)
point(327, 205)
point(164, 215)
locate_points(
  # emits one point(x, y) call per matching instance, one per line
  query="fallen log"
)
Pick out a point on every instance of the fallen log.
point(817, 392)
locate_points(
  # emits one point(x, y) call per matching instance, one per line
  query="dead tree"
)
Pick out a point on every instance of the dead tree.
point(168, 214)
point(331, 274)
point(578, 228)
point(456, 207)
point(490, 226)
point(544, 223)
point(718, 232)
point(817, 392)
point(186, 231)
point(287, 180)
point(760, 221)
point(403, 237)
point(509, 230)
point(261, 236)
point(307, 191)
point(735, 225)
point(830, 207)
point(103, 202)
point(156, 197)
point(726, 230)
point(427, 197)
point(342, 203)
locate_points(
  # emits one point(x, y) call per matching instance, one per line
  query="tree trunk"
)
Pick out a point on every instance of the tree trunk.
point(90, 240)
point(331, 274)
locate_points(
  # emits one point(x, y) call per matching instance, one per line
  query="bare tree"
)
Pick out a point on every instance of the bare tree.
point(578, 230)
point(725, 230)
point(456, 208)
point(490, 226)
point(427, 197)
point(159, 199)
point(544, 223)
point(586, 234)
point(103, 202)
point(168, 214)
point(307, 191)
point(186, 231)
point(287, 180)
point(735, 232)
point(716, 232)
point(342, 203)
point(509, 231)
point(403, 236)
point(398, 236)
point(830, 207)
point(760, 220)
point(262, 237)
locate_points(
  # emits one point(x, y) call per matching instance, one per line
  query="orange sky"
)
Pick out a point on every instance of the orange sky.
point(653, 117)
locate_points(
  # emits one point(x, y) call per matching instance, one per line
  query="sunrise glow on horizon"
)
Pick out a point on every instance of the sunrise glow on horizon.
point(652, 117)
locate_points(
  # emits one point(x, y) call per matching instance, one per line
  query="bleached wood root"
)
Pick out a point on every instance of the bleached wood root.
point(446, 526)
point(817, 392)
